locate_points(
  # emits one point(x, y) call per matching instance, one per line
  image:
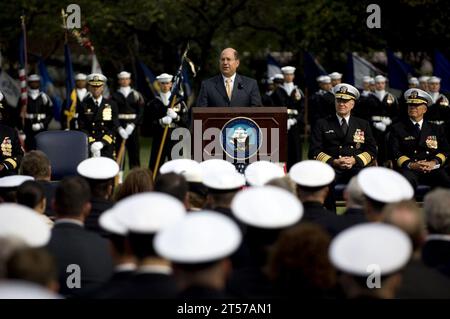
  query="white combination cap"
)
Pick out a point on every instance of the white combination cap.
point(312, 173)
point(98, 168)
point(359, 249)
point(260, 172)
point(216, 165)
point(384, 185)
point(110, 222)
point(23, 223)
point(96, 79)
point(148, 213)
point(199, 237)
point(190, 169)
point(223, 180)
point(267, 207)
point(14, 180)
point(346, 92)
point(417, 96)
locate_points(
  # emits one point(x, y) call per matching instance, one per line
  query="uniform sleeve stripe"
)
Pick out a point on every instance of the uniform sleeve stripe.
point(402, 159)
point(442, 157)
point(365, 158)
point(108, 139)
point(91, 139)
point(323, 157)
point(12, 162)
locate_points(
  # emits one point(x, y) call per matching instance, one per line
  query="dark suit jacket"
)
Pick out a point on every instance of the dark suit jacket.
point(245, 92)
point(72, 244)
point(436, 254)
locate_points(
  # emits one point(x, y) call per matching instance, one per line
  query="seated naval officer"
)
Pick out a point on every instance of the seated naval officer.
point(420, 148)
point(343, 141)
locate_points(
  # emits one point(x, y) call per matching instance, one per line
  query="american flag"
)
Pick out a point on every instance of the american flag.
point(23, 69)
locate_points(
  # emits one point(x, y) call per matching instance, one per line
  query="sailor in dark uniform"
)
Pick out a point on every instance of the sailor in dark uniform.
point(290, 96)
point(38, 113)
point(336, 78)
point(201, 263)
point(343, 141)
point(11, 152)
point(439, 110)
point(81, 92)
point(131, 110)
point(163, 116)
point(420, 148)
point(98, 118)
point(321, 103)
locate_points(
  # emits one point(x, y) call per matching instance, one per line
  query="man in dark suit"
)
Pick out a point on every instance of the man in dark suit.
point(229, 88)
point(73, 246)
point(419, 148)
point(343, 141)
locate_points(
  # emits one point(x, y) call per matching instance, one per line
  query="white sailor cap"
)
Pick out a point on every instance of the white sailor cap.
point(267, 207)
point(110, 222)
point(164, 78)
point(358, 249)
point(424, 78)
point(366, 78)
point(326, 79)
point(215, 164)
point(34, 77)
point(80, 77)
point(199, 237)
point(270, 80)
point(148, 213)
point(14, 180)
point(20, 289)
point(190, 169)
point(335, 76)
point(413, 80)
point(434, 79)
point(288, 69)
point(312, 173)
point(124, 75)
point(380, 78)
point(372, 81)
point(278, 76)
point(346, 92)
point(96, 79)
point(23, 223)
point(226, 180)
point(384, 185)
point(260, 172)
point(98, 168)
point(417, 96)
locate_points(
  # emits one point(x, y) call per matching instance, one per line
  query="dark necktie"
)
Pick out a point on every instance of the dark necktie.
point(344, 126)
point(417, 126)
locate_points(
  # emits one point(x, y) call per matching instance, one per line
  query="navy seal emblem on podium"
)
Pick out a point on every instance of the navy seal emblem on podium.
point(241, 138)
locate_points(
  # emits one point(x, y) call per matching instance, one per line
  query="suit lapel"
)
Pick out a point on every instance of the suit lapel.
point(220, 87)
point(236, 88)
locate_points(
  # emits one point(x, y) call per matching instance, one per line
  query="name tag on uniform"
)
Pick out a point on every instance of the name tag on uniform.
point(329, 132)
point(409, 138)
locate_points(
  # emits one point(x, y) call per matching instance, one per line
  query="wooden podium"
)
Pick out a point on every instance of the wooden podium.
point(246, 134)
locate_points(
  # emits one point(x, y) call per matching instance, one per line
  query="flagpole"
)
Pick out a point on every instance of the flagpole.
point(24, 97)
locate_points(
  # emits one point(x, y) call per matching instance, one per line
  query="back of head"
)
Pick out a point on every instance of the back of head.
point(284, 182)
point(437, 213)
point(36, 164)
point(354, 194)
point(71, 196)
point(33, 265)
point(138, 180)
point(30, 194)
point(172, 184)
point(407, 216)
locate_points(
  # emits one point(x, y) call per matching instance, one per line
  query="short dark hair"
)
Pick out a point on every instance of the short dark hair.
point(36, 164)
point(100, 187)
point(71, 195)
point(172, 184)
point(30, 194)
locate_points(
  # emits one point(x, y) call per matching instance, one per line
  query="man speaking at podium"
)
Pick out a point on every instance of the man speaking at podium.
point(229, 88)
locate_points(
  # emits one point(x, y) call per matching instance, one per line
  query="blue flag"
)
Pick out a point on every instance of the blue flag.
point(48, 87)
point(442, 70)
point(149, 80)
point(70, 82)
point(398, 72)
point(312, 70)
point(186, 83)
point(273, 67)
point(357, 68)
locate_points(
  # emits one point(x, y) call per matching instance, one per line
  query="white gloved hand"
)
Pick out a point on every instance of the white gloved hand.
point(386, 121)
point(380, 126)
point(291, 122)
point(130, 128)
point(22, 136)
point(166, 120)
point(171, 113)
point(123, 134)
point(37, 126)
point(95, 148)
